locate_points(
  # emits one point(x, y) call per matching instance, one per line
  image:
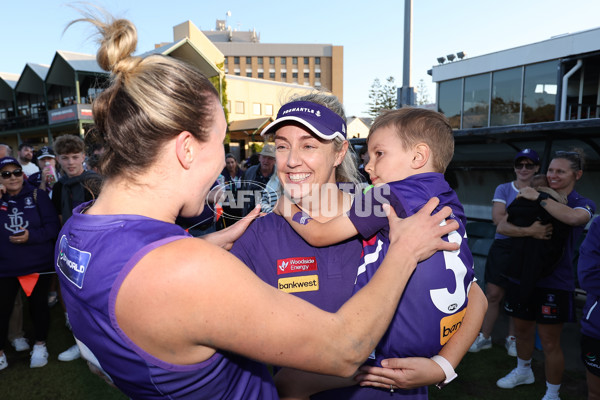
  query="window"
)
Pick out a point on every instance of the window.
point(306, 75)
point(259, 60)
point(236, 60)
point(317, 75)
point(317, 60)
point(506, 97)
point(476, 101)
point(272, 75)
point(261, 75)
point(239, 107)
point(539, 92)
point(229, 105)
point(283, 75)
point(268, 109)
point(248, 60)
point(226, 62)
point(295, 60)
point(449, 101)
point(282, 60)
point(256, 108)
point(249, 74)
point(305, 60)
point(295, 75)
point(272, 60)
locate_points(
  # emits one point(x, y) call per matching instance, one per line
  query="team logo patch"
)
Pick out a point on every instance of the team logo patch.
point(307, 283)
point(4, 206)
point(72, 262)
point(296, 264)
point(449, 325)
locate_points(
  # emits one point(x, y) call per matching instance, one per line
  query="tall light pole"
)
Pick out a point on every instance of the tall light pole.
point(406, 94)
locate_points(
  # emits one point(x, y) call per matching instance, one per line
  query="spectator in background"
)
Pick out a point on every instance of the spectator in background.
point(552, 301)
point(526, 164)
point(75, 187)
point(231, 181)
point(48, 174)
point(588, 272)
point(5, 150)
point(256, 177)
point(363, 156)
point(28, 229)
point(25, 158)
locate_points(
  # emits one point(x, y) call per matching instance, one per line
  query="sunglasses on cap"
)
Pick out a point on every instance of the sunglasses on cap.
point(17, 173)
point(526, 165)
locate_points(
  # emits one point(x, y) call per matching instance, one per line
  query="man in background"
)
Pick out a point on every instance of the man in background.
point(25, 156)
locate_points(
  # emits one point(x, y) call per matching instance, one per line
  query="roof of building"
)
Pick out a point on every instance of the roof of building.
point(233, 36)
point(550, 49)
point(32, 79)
point(274, 49)
point(185, 50)
point(249, 125)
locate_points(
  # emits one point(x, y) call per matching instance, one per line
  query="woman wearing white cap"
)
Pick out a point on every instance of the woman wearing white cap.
point(312, 157)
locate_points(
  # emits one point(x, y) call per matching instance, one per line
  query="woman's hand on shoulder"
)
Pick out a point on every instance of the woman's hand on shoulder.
point(421, 234)
point(226, 237)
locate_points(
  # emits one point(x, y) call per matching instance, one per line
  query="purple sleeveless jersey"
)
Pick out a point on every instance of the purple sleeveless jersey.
point(434, 300)
point(94, 254)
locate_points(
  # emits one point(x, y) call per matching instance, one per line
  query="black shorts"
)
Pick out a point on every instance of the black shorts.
point(590, 354)
point(497, 261)
point(547, 306)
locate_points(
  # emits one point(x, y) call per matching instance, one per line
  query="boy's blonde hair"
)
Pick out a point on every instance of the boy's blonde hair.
point(419, 125)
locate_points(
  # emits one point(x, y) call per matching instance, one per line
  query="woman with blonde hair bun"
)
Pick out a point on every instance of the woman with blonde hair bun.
point(163, 315)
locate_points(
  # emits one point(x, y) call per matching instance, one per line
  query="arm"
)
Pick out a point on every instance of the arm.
point(588, 266)
point(317, 233)
point(562, 212)
point(49, 224)
point(294, 384)
point(414, 372)
point(218, 303)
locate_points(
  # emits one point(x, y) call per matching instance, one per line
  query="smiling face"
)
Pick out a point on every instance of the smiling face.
point(389, 161)
point(561, 176)
point(231, 165)
point(525, 169)
point(13, 183)
point(304, 162)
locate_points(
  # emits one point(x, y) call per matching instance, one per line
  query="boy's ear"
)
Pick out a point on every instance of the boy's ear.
point(184, 149)
point(421, 153)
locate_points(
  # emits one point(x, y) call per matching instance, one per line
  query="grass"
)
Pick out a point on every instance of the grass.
point(477, 375)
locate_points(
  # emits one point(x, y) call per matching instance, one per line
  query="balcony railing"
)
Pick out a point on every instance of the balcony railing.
point(582, 111)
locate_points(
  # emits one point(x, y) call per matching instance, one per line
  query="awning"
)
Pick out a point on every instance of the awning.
point(249, 127)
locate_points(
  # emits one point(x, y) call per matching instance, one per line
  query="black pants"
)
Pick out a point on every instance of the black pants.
point(38, 307)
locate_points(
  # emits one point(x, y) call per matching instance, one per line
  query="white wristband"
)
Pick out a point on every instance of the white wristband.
point(447, 368)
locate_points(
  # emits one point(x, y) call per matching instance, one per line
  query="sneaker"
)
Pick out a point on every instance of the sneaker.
point(481, 343)
point(3, 362)
point(72, 353)
point(39, 356)
point(52, 299)
point(514, 378)
point(20, 344)
point(511, 346)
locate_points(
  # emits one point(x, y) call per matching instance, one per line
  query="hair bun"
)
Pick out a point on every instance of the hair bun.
point(119, 41)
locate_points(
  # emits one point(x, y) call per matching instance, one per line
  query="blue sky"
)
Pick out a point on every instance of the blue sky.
point(370, 31)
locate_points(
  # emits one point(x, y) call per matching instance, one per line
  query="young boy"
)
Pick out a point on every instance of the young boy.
point(409, 150)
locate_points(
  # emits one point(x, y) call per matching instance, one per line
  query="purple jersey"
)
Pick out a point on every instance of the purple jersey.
point(588, 271)
point(562, 277)
point(323, 276)
point(94, 255)
point(434, 300)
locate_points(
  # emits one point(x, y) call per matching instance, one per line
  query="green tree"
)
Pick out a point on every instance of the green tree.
point(382, 97)
point(422, 93)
